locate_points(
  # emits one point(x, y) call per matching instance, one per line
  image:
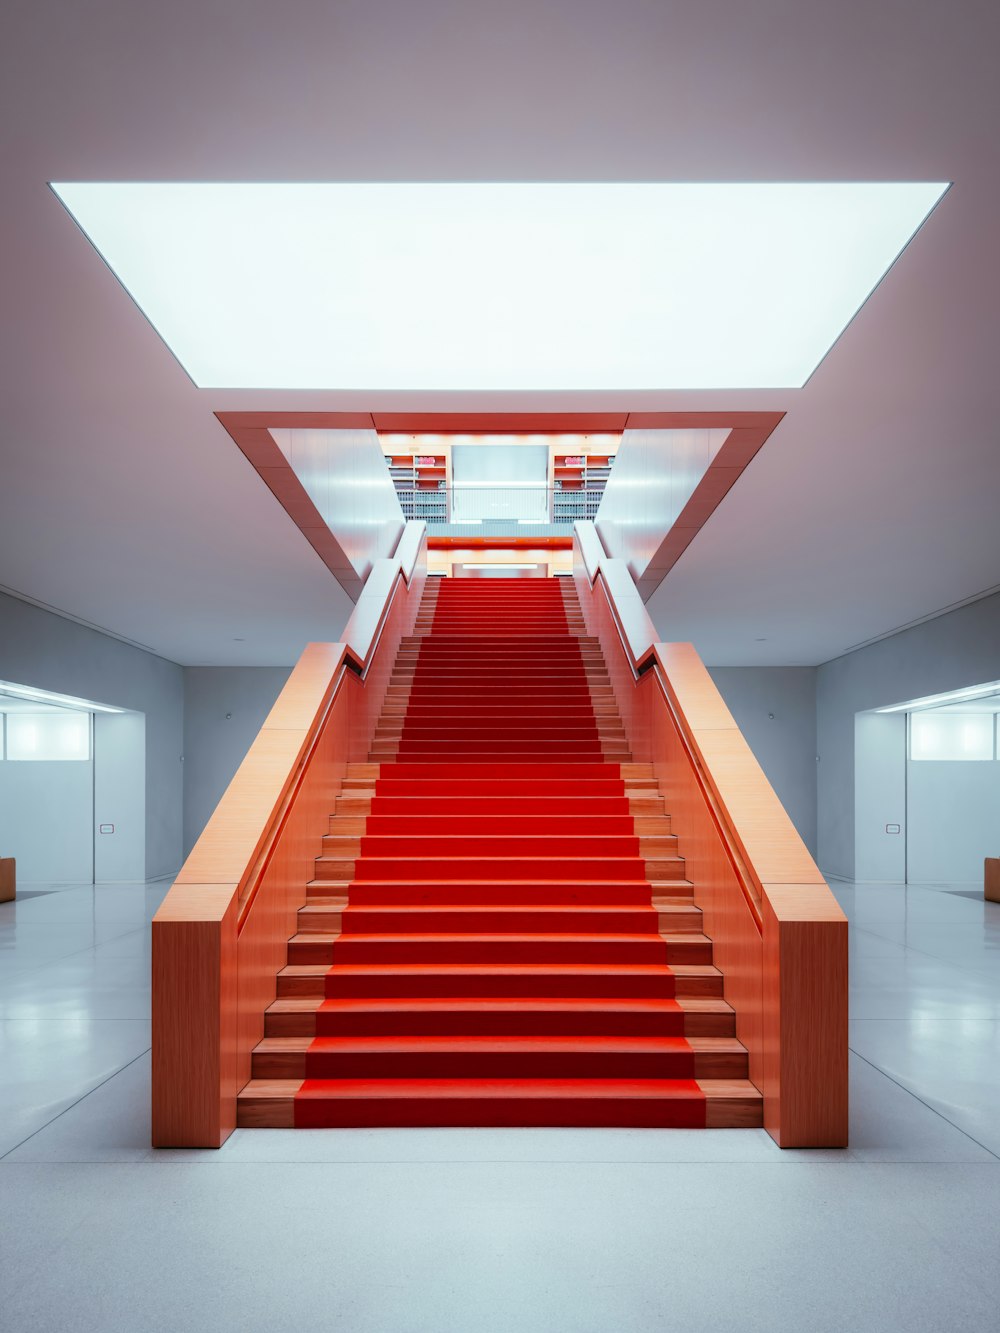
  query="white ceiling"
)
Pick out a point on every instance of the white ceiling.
point(125, 504)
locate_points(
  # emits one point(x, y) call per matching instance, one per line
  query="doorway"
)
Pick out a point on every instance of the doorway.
point(927, 788)
point(72, 788)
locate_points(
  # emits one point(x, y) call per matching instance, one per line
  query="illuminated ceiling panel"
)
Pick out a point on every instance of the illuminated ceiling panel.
point(500, 286)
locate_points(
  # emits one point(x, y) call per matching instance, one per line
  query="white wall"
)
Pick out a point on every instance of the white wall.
point(653, 477)
point(53, 653)
point(345, 474)
point(45, 820)
point(954, 820)
point(880, 796)
point(784, 744)
point(119, 797)
point(957, 649)
point(224, 708)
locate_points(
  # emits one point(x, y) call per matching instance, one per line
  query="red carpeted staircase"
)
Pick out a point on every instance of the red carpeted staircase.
point(500, 931)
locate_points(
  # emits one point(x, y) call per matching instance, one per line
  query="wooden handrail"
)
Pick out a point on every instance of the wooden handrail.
point(362, 635)
point(744, 874)
point(638, 638)
point(779, 935)
point(220, 932)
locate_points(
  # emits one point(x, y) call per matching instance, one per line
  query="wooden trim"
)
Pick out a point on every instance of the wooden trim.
point(251, 432)
point(220, 934)
point(780, 938)
point(747, 433)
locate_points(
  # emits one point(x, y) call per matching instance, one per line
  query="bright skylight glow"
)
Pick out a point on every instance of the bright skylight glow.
point(499, 286)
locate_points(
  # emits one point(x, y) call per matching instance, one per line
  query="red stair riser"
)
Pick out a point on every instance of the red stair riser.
point(567, 981)
point(495, 867)
point(516, 843)
point(501, 807)
point(552, 773)
point(608, 799)
point(478, 1017)
point(518, 731)
point(680, 1104)
point(516, 918)
point(583, 748)
point(464, 892)
point(444, 755)
point(491, 710)
point(472, 950)
point(581, 795)
point(548, 753)
point(321, 1062)
point(567, 825)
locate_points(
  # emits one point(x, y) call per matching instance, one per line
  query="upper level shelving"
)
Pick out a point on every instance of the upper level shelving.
point(577, 472)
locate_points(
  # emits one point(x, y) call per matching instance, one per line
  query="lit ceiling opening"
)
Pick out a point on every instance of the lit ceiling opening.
point(500, 286)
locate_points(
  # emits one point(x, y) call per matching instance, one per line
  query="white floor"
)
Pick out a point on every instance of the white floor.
point(499, 1231)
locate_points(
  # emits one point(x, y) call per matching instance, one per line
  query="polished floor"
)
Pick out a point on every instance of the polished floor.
point(515, 1231)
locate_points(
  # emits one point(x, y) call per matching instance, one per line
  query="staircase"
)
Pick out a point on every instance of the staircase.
point(499, 931)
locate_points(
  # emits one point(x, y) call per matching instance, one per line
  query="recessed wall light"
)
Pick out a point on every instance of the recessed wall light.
point(500, 286)
point(938, 700)
point(29, 693)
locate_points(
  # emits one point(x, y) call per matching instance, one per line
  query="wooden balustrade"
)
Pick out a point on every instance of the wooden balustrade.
point(779, 935)
point(221, 933)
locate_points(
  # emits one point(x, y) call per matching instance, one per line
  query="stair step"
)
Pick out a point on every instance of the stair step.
point(503, 807)
point(420, 1057)
point(613, 868)
point(626, 1103)
point(500, 930)
point(333, 915)
point(415, 1016)
point(509, 948)
point(610, 982)
point(489, 824)
point(429, 847)
point(572, 893)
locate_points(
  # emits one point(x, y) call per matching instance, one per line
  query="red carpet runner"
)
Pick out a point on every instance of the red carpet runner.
point(500, 932)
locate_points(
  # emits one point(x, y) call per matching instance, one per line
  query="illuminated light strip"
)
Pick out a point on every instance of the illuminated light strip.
point(48, 697)
point(459, 287)
point(939, 700)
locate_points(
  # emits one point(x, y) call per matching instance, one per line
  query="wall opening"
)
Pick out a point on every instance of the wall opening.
point(927, 788)
point(72, 788)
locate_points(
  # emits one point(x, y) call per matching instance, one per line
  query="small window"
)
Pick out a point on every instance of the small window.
point(48, 736)
point(951, 736)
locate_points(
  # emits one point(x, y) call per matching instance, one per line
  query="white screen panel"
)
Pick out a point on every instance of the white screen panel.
point(951, 736)
point(48, 736)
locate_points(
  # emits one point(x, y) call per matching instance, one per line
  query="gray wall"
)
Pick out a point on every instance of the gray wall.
point(785, 746)
point(957, 649)
point(880, 797)
point(53, 653)
point(214, 744)
point(119, 797)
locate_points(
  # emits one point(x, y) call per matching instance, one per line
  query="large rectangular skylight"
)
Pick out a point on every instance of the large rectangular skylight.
point(499, 286)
